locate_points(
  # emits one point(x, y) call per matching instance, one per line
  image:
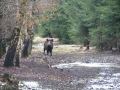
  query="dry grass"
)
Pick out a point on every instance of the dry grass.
point(60, 48)
point(38, 39)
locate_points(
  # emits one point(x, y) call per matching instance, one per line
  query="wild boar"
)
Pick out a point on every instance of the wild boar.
point(48, 45)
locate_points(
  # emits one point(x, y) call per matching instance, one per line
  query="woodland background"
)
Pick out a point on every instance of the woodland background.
point(86, 22)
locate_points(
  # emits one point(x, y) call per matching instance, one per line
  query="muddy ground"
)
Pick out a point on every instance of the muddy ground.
point(38, 67)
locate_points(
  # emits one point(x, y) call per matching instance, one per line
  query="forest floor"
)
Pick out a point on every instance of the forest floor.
point(46, 69)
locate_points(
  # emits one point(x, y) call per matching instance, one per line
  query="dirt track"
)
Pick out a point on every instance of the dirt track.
point(37, 67)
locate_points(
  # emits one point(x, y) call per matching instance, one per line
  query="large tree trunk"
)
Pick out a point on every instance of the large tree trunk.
point(17, 62)
point(30, 33)
point(15, 38)
point(30, 46)
point(0, 48)
point(29, 42)
point(3, 47)
point(110, 47)
point(118, 47)
point(12, 49)
point(27, 46)
point(0, 33)
point(86, 43)
point(25, 52)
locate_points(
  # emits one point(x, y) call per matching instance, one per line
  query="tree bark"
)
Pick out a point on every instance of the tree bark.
point(17, 62)
point(101, 46)
point(12, 49)
point(87, 44)
point(0, 48)
point(3, 47)
point(25, 52)
point(0, 33)
point(110, 47)
point(118, 47)
point(30, 46)
point(30, 33)
point(87, 47)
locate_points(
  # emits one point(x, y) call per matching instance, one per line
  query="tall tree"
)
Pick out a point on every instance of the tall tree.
point(106, 28)
point(28, 38)
point(1, 15)
point(9, 59)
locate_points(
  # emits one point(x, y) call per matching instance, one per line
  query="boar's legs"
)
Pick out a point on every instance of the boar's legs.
point(49, 51)
point(44, 51)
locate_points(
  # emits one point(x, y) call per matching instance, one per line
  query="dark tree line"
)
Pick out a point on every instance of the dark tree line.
point(89, 22)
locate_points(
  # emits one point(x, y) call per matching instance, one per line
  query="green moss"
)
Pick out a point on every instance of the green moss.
point(11, 82)
point(9, 87)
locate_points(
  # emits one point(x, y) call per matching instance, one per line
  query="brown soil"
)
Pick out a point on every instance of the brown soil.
point(37, 67)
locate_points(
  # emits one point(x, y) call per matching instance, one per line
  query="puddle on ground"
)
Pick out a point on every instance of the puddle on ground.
point(106, 80)
point(31, 85)
point(79, 64)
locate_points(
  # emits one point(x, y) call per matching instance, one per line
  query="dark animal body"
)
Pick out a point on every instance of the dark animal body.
point(48, 45)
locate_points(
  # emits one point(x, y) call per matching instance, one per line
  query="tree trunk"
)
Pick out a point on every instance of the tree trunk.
point(12, 49)
point(111, 47)
point(0, 48)
point(25, 48)
point(87, 45)
point(30, 46)
point(30, 29)
point(3, 47)
point(30, 33)
point(1, 15)
point(101, 46)
point(17, 62)
point(118, 47)
point(28, 43)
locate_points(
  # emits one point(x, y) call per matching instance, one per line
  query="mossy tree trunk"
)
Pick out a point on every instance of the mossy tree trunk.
point(87, 45)
point(17, 55)
point(9, 59)
point(0, 48)
point(30, 32)
point(118, 47)
point(110, 47)
point(17, 62)
point(0, 32)
point(30, 45)
point(28, 41)
point(25, 48)
point(3, 46)
point(12, 48)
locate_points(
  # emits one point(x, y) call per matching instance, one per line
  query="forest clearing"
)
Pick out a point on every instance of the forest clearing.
point(60, 44)
point(40, 68)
